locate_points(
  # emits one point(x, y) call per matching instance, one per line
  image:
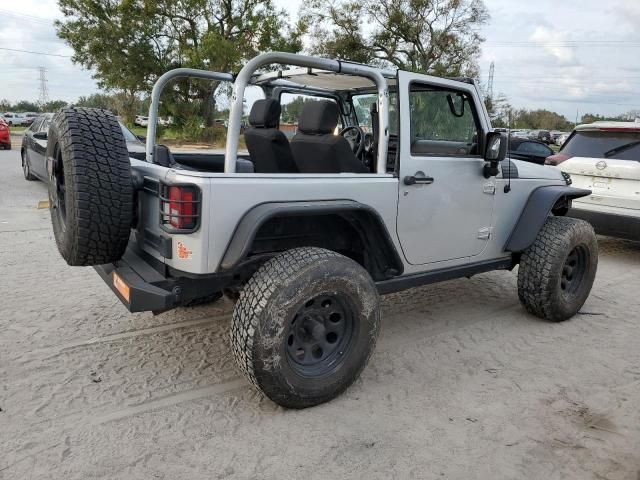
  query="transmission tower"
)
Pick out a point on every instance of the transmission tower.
point(490, 84)
point(43, 96)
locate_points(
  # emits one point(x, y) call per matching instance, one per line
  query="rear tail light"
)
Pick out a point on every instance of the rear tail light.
point(3, 127)
point(556, 159)
point(180, 208)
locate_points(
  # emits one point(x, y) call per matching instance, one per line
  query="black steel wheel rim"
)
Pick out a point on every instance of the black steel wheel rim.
point(574, 270)
point(59, 191)
point(320, 335)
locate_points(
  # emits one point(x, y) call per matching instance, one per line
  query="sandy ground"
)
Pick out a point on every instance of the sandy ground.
point(464, 384)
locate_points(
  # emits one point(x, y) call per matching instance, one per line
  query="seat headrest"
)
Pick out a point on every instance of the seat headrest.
point(265, 113)
point(318, 117)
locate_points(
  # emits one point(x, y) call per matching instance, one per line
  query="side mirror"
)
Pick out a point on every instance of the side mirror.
point(495, 152)
point(142, 138)
point(40, 135)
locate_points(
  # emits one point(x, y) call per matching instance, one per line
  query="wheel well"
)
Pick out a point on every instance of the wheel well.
point(561, 207)
point(354, 234)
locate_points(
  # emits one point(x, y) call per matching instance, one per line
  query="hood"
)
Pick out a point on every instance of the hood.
point(533, 171)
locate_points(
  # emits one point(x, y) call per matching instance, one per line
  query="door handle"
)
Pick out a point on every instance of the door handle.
point(418, 178)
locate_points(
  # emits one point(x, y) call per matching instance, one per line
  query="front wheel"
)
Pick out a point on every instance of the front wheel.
point(305, 326)
point(557, 271)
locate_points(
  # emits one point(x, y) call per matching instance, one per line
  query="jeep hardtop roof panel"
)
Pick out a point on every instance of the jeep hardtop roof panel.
point(320, 79)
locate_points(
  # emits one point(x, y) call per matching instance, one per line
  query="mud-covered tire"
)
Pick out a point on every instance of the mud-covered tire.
point(305, 295)
point(90, 188)
point(26, 168)
point(557, 271)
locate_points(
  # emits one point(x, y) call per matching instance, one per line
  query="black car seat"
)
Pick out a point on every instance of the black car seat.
point(268, 147)
point(315, 147)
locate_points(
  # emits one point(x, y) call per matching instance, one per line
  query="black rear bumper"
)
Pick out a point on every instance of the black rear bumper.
point(147, 289)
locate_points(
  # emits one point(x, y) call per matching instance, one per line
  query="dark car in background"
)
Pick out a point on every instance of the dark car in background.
point(5, 135)
point(529, 150)
point(541, 135)
point(34, 147)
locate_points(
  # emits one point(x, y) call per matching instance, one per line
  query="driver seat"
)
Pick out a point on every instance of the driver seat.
point(316, 149)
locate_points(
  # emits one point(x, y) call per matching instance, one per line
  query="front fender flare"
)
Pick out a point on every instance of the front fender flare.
point(535, 213)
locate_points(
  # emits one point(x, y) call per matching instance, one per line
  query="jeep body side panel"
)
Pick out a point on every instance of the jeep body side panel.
point(233, 196)
point(535, 213)
point(377, 235)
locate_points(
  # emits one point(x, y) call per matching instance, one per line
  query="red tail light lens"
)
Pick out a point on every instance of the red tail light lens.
point(3, 127)
point(180, 208)
point(556, 159)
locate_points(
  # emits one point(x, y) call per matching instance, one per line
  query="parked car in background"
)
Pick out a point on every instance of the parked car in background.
point(541, 135)
point(529, 150)
point(605, 158)
point(15, 119)
point(34, 147)
point(560, 139)
point(5, 135)
point(141, 121)
point(519, 134)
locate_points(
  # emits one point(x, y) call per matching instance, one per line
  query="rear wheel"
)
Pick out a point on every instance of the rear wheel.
point(557, 271)
point(26, 168)
point(305, 326)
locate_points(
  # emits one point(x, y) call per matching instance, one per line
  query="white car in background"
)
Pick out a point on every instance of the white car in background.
point(15, 119)
point(141, 121)
point(605, 157)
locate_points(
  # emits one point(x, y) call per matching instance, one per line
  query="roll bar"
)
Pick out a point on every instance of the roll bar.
point(157, 90)
point(244, 77)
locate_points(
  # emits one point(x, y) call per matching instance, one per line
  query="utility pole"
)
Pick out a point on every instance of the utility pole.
point(43, 96)
point(490, 83)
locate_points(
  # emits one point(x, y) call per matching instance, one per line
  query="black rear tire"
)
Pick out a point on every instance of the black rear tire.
point(557, 271)
point(90, 189)
point(305, 326)
point(26, 168)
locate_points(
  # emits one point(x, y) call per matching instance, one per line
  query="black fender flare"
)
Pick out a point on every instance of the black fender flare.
point(535, 213)
point(241, 241)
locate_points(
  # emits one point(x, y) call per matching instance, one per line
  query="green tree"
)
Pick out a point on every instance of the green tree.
point(53, 106)
point(129, 43)
point(26, 106)
point(440, 37)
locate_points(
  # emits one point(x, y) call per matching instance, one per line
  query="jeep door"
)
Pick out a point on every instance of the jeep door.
point(445, 204)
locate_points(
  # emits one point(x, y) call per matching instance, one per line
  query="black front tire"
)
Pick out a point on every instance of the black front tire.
point(557, 271)
point(305, 326)
point(90, 189)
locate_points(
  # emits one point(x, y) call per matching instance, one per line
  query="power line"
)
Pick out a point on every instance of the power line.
point(29, 18)
point(35, 53)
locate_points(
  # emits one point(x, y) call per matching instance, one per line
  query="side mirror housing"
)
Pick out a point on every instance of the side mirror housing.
point(142, 138)
point(41, 135)
point(495, 152)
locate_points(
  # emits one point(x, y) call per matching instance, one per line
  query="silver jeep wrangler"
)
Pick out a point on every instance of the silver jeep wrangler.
point(305, 234)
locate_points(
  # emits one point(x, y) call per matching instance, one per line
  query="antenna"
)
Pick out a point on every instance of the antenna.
point(43, 96)
point(507, 187)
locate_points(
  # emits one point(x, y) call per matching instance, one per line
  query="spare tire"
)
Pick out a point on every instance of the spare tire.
point(90, 188)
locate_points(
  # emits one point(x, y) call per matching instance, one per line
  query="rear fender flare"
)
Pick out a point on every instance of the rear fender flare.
point(242, 239)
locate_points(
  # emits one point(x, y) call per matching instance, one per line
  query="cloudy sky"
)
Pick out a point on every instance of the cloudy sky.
point(566, 56)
